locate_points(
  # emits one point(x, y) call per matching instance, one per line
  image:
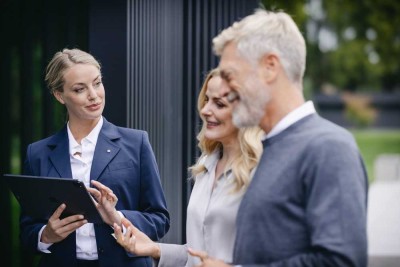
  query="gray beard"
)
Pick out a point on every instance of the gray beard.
point(245, 116)
point(250, 110)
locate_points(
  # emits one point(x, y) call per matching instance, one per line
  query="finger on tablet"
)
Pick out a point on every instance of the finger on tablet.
point(57, 213)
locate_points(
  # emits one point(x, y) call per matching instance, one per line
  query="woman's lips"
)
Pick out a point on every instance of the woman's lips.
point(93, 107)
point(212, 124)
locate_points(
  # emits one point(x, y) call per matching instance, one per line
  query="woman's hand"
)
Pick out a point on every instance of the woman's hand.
point(105, 202)
point(135, 241)
point(58, 229)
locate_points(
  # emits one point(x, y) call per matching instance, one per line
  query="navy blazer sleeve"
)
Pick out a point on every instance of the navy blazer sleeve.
point(151, 215)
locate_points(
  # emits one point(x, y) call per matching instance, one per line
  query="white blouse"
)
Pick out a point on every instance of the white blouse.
point(211, 219)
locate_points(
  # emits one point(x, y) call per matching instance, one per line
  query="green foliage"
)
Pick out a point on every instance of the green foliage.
point(369, 59)
point(351, 69)
point(363, 37)
point(293, 8)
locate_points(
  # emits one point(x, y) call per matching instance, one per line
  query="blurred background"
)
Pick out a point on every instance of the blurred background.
point(155, 54)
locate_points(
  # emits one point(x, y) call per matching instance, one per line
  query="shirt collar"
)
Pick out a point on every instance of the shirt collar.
point(91, 137)
point(291, 118)
point(210, 160)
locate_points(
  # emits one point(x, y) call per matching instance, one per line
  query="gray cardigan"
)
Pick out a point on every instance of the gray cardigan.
point(306, 205)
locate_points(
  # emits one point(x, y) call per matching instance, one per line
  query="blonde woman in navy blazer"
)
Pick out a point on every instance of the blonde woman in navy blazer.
point(119, 158)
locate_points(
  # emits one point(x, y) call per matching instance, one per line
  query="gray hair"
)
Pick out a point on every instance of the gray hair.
point(267, 32)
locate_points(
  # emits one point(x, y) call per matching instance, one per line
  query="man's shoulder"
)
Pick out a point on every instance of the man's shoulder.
point(318, 128)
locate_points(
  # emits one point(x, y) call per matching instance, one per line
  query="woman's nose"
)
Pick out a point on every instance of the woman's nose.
point(205, 110)
point(92, 93)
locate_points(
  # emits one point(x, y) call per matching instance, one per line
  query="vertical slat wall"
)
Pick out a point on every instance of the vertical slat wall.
point(154, 91)
point(169, 53)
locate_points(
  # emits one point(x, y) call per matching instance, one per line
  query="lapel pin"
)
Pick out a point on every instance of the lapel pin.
point(108, 150)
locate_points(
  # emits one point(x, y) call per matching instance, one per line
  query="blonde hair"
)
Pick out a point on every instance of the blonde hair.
point(62, 61)
point(249, 140)
point(267, 32)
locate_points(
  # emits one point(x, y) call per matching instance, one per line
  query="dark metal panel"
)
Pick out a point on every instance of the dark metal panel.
point(6, 238)
point(107, 32)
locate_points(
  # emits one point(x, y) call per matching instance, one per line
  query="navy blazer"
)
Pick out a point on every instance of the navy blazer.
point(124, 161)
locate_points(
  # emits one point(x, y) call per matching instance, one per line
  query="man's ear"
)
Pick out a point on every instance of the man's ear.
point(59, 97)
point(270, 66)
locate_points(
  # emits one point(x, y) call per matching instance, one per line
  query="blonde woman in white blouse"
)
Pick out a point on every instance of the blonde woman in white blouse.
point(221, 175)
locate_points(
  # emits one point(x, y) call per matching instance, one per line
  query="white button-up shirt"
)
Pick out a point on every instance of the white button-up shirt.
point(86, 247)
point(211, 218)
point(81, 158)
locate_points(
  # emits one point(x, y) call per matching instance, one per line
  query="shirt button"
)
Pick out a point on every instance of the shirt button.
point(100, 250)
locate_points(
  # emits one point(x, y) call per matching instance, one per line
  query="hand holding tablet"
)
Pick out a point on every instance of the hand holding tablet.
point(39, 197)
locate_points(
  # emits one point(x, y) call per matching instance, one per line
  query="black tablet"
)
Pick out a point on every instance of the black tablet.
point(39, 197)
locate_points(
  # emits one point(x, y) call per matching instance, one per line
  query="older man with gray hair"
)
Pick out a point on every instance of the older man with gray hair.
point(306, 204)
